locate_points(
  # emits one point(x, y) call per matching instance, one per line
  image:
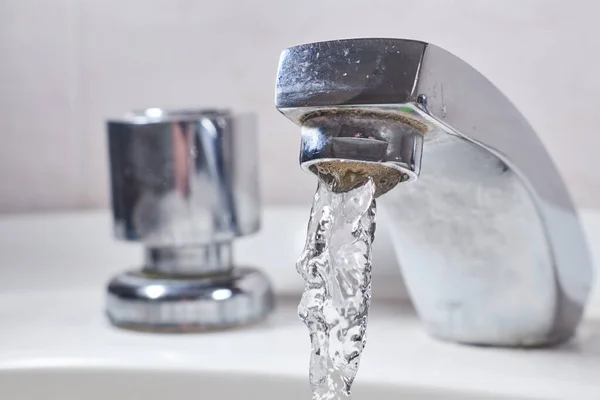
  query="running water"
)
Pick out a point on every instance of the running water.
point(336, 266)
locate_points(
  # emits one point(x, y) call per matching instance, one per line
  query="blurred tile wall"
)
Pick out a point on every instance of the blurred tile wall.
point(67, 64)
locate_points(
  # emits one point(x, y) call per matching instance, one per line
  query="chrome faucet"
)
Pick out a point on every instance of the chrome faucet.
point(486, 234)
point(185, 184)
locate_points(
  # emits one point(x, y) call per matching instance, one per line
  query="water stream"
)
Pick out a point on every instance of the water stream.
point(336, 266)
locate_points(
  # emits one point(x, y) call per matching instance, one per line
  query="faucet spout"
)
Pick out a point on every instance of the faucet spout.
point(487, 236)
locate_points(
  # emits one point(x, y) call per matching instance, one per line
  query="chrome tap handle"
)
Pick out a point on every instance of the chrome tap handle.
point(183, 178)
point(185, 185)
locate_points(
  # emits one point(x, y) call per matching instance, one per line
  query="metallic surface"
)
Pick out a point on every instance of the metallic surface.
point(142, 302)
point(488, 238)
point(189, 261)
point(355, 135)
point(185, 185)
point(183, 177)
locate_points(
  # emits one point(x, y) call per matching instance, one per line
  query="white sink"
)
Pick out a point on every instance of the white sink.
point(97, 384)
point(55, 342)
point(58, 345)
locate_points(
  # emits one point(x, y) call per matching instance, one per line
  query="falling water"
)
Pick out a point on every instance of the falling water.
point(336, 266)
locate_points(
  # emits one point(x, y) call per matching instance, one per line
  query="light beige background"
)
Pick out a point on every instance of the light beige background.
point(67, 64)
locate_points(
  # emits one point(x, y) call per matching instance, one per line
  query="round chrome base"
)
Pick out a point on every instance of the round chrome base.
point(142, 301)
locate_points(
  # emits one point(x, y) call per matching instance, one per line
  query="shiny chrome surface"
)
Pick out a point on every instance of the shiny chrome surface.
point(362, 137)
point(183, 177)
point(185, 185)
point(189, 261)
point(138, 301)
point(488, 238)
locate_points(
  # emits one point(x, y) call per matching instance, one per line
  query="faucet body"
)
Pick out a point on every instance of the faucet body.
point(487, 236)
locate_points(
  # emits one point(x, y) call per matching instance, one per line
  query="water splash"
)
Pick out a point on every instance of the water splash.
point(336, 266)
